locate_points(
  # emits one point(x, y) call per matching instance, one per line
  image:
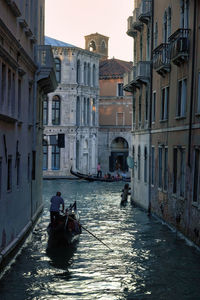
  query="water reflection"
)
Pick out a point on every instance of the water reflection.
point(149, 261)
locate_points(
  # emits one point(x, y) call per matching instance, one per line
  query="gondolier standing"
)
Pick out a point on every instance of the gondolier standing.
point(56, 201)
point(99, 172)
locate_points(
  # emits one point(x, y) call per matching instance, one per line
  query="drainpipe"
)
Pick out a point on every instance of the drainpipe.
point(192, 85)
point(150, 105)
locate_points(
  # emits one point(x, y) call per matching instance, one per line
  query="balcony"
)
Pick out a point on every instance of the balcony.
point(143, 69)
point(179, 46)
point(130, 31)
point(161, 59)
point(137, 25)
point(46, 68)
point(130, 82)
point(145, 11)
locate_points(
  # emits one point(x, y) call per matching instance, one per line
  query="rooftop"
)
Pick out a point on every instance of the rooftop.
point(114, 67)
point(54, 42)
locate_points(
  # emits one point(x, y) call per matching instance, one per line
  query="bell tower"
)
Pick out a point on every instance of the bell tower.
point(97, 43)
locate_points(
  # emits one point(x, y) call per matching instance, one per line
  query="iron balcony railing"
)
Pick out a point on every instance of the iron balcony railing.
point(144, 14)
point(179, 45)
point(161, 58)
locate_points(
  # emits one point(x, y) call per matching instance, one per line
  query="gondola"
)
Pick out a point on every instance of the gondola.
point(95, 178)
point(66, 231)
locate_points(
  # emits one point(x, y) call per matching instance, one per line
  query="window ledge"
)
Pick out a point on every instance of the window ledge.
point(163, 121)
point(180, 117)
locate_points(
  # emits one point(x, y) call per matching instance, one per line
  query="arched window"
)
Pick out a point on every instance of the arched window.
point(88, 111)
point(141, 46)
point(84, 112)
point(92, 46)
point(169, 25)
point(58, 69)
point(148, 44)
point(93, 112)
point(45, 155)
point(145, 164)
point(85, 73)
point(94, 75)
point(89, 75)
point(56, 110)
point(45, 111)
point(139, 162)
point(78, 111)
point(78, 72)
point(155, 35)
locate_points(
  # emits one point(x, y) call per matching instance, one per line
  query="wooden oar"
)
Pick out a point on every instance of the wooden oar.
point(91, 234)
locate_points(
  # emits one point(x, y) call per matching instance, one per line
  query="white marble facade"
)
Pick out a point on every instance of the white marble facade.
point(72, 111)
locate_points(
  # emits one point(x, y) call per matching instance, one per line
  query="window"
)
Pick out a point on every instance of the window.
point(78, 111)
point(148, 43)
point(19, 98)
point(133, 152)
point(154, 107)
point(145, 164)
point(94, 75)
point(9, 174)
point(160, 167)
point(45, 155)
point(155, 34)
point(84, 111)
point(140, 109)
point(77, 154)
point(33, 164)
point(0, 176)
point(165, 38)
point(58, 69)
point(198, 99)
point(182, 172)
point(134, 100)
point(89, 75)
point(169, 17)
point(9, 88)
point(56, 110)
point(120, 91)
point(55, 164)
point(152, 165)
point(13, 95)
point(85, 74)
point(30, 104)
point(88, 111)
point(92, 46)
point(146, 105)
point(182, 94)
point(78, 72)
point(28, 168)
point(196, 186)
point(184, 13)
point(175, 156)
point(139, 162)
point(45, 112)
point(141, 46)
point(18, 169)
point(120, 119)
point(164, 103)
point(166, 170)
point(93, 112)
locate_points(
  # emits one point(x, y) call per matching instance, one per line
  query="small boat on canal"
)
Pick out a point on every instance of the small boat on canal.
point(66, 231)
point(95, 178)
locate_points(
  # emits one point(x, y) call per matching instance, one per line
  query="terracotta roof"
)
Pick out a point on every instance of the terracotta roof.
point(114, 67)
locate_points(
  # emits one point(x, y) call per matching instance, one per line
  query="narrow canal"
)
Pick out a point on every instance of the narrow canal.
point(149, 261)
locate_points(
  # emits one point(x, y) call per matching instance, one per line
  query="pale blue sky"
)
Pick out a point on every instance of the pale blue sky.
point(70, 20)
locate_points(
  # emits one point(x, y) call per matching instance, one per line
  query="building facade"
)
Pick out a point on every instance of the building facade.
point(174, 124)
point(71, 112)
point(27, 73)
point(115, 115)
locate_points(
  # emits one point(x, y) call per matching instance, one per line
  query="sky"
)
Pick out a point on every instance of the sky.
point(71, 20)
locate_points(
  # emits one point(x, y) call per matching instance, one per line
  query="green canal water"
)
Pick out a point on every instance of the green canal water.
point(148, 262)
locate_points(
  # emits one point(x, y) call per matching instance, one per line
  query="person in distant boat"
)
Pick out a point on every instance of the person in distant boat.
point(56, 202)
point(99, 172)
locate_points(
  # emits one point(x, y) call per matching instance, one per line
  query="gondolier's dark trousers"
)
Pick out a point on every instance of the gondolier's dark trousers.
point(54, 216)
